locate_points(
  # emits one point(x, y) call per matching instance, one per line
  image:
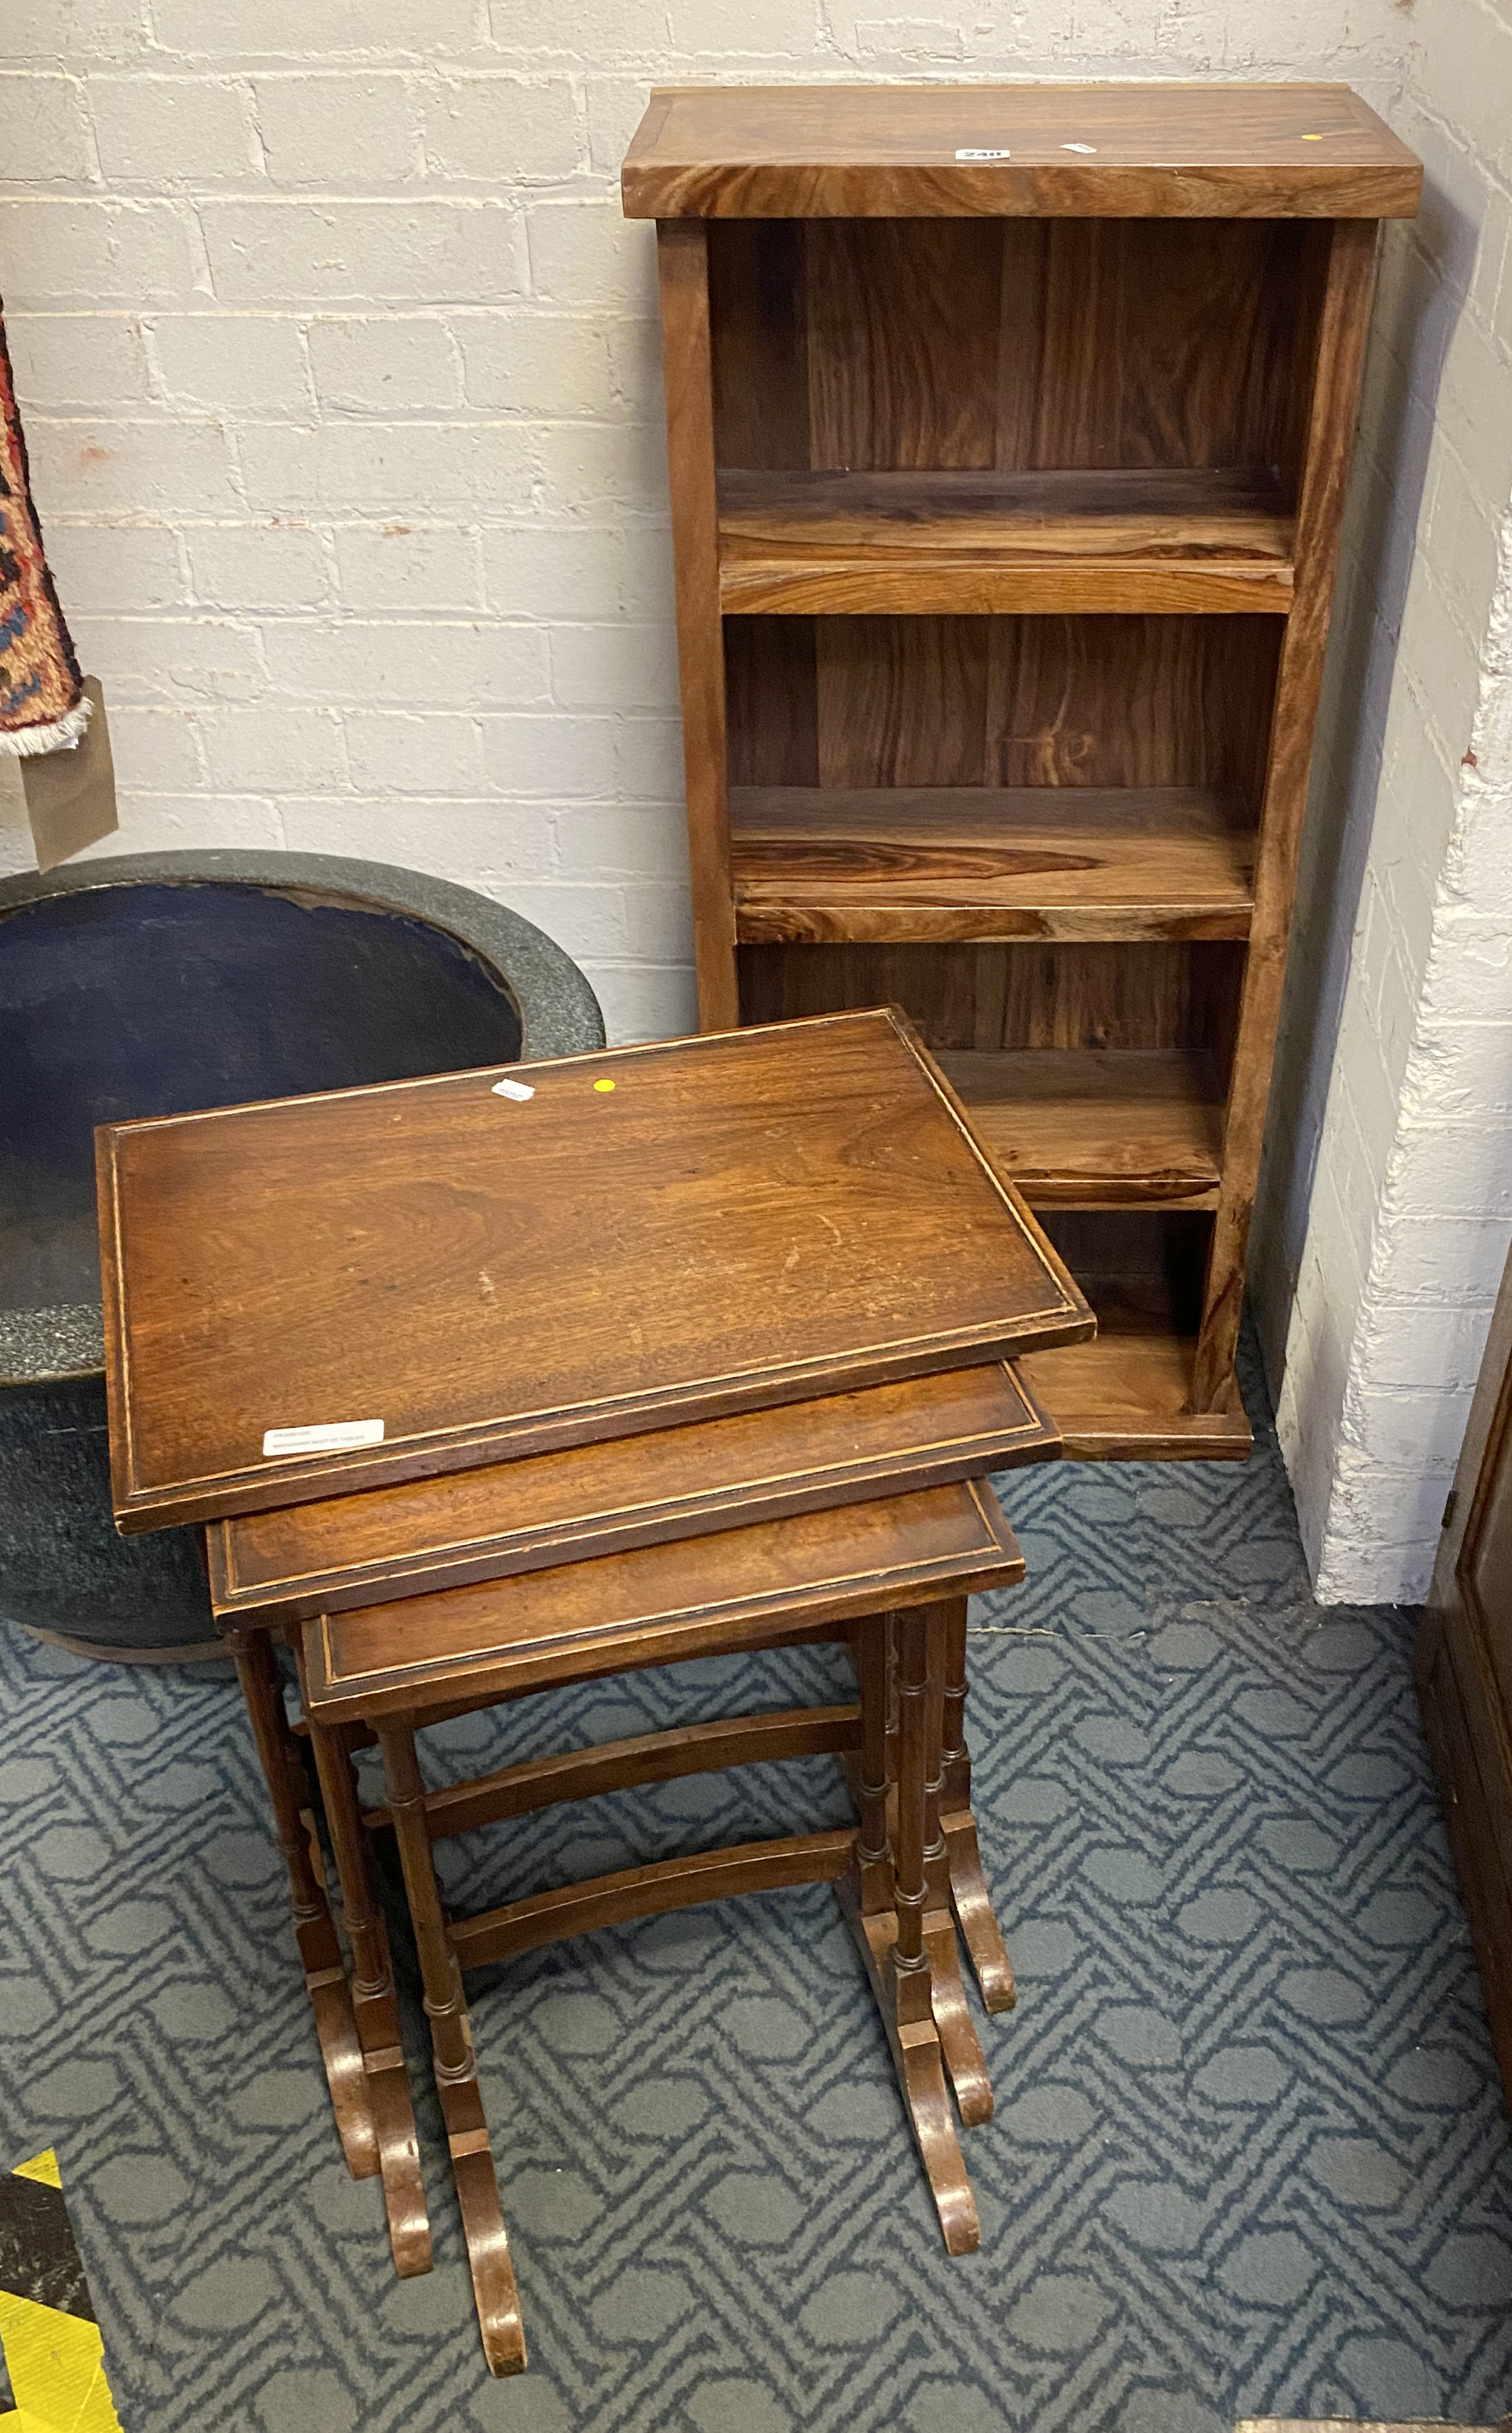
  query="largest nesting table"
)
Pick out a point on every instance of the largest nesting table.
point(399, 1340)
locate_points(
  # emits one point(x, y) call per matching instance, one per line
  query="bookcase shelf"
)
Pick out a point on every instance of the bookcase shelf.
point(991, 862)
point(1134, 1395)
point(1206, 539)
point(1129, 1395)
point(1009, 433)
point(1099, 1128)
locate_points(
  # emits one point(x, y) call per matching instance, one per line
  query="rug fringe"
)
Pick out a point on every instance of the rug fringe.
point(64, 734)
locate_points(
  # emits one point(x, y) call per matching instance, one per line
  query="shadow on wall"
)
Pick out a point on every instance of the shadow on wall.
point(1425, 277)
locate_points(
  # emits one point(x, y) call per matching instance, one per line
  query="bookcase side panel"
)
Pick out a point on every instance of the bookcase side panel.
point(1342, 328)
point(682, 255)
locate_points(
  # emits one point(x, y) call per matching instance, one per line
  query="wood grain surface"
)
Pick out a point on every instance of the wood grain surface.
point(926, 863)
point(565, 1508)
point(683, 274)
point(844, 150)
point(661, 1235)
point(494, 2288)
point(848, 346)
point(945, 542)
point(1128, 1397)
point(658, 1604)
point(1167, 995)
point(667, 1756)
point(1346, 274)
point(926, 703)
point(1029, 472)
point(1099, 1128)
point(289, 1799)
point(683, 1882)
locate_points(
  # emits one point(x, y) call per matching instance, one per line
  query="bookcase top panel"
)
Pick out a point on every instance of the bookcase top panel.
point(1120, 151)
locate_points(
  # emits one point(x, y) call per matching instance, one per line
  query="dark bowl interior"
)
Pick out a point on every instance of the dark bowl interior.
point(147, 999)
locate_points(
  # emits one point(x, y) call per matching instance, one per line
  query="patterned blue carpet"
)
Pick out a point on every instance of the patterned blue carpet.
point(1251, 2153)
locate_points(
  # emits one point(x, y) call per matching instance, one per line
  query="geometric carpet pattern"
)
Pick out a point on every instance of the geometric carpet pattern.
point(1251, 2154)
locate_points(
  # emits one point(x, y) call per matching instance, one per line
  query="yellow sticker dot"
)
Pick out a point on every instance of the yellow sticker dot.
point(604, 1086)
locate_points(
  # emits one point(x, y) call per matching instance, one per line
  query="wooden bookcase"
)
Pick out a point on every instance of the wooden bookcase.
point(1009, 432)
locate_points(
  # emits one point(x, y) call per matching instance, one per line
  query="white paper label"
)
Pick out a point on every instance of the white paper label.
point(508, 1089)
point(338, 1435)
point(1078, 147)
point(976, 152)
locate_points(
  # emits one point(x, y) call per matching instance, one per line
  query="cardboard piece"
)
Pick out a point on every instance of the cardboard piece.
point(70, 795)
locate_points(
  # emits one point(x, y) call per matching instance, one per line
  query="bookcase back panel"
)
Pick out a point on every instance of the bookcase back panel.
point(904, 703)
point(1000, 700)
point(903, 332)
point(772, 701)
point(1134, 1263)
point(1012, 345)
point(760, 343)
point(1159, 996)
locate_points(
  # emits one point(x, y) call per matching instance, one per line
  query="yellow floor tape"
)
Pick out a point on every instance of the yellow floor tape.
point(55, 2360)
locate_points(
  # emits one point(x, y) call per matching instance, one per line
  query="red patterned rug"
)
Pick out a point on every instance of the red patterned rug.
point(42, 705)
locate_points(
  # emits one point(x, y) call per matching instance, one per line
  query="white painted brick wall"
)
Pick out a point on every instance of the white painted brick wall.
point(341, 374)
point(1386, 1206)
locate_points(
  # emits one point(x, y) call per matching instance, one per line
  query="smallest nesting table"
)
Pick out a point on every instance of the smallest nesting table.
point(396, 1668)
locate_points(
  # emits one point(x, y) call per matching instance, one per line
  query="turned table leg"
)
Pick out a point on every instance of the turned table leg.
point(376, 2010)
point(965, 2059)
point(873, 1851)
point(972, 1901)
point(325, 1973)
point(456, 2070)
point(958, 2040)
point(895, 1952)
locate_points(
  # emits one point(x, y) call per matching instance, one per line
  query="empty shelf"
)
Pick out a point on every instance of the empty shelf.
point(813, 864)
point(1099, 1128)
point(986, 543)
point(1126, 1396)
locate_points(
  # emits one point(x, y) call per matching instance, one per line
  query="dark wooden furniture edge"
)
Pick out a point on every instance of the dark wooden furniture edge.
point(657, 183)
point(994, 1560)
point(267, 1601)
point(1464, 1717)
point(1064, 1318)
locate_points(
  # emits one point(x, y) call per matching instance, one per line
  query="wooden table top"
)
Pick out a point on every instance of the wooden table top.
point(659, 1605)
point(658, 1235)
point(268, 1568)
point(1128, 151)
